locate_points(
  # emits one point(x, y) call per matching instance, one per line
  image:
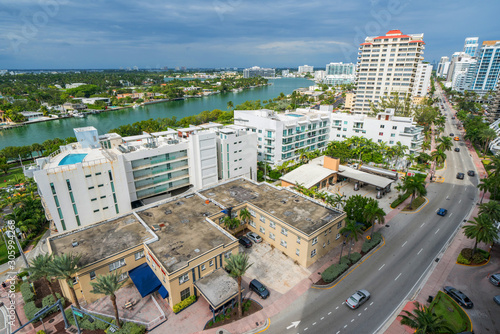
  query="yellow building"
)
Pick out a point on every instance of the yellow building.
point(349, 101)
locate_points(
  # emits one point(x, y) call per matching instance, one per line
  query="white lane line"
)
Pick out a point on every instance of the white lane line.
point(458, 202)
point(404, 244)
point(352, 320)
point(424, 223)
point(453, 186)
point(345, 326)
point(451, 214)
point(371, 303)
point(359, 315)
point(366, 308)
point(337, 332)
point(338, 307)
point(420, 251)
point(436, 231)
point(314, 323)
point(381, 267)
point(397, 277)
point(322, 318)
point(329, 313)
point(306, 329)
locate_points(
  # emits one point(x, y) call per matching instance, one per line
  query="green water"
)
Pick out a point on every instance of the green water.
point(103, 122)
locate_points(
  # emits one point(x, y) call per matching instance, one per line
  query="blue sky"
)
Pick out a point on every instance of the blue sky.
point(225, 33)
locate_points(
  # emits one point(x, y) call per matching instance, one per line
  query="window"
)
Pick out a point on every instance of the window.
point(394, 127)
point(116, 265)
point(262, 219)
point(272, 236)
point(184, 278)
point(97, 210)
point(315, 241)
point(393, 135)
point(139, 255)
point(92, 187)
point(339, 225)
point(103, 197)
point(88, 175)
point(313, 253)
point(123, 277)
point(297, 252)
point(284, 231)
point(211, 263)
point(75, 280)
point(68, 184)
point(330, 230)
point(262, 230)
point(92, 275)
point(298, 239)
point(272, 224)
point(100, 185)
point(252, 213)
point(324, 245)
point(185, 294)
point(99, 173)
point(252, 223)
point(93, 199)
point(283, 243)
point(338, 236)
point(382, 126)
point(380, 133)
point(227, 255)
point(203, 267)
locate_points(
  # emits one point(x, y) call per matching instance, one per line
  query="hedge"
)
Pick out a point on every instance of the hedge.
point(462, 260)
point(334, 271)
point(49, 300)
point(130, 328)
point(30, 310)
point(370, 244)
point(85, 323)
point(355, 257)
point(400, 200)
point(28, 295)
point(183, 304)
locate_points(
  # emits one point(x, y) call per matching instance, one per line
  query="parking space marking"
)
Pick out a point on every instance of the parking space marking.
point(436, 231)
point(404, 244)
point(381, 267)
point(397, 277)
point(420, 251)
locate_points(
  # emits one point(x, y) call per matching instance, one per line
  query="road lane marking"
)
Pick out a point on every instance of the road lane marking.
point(404, 244)
point(314, 323)
point(371, 303)
point(338, 307)
point(359, 315)
point(453, 186)
point(306, 329)
point(366, 308)
point(420, 251)
point(451, 214)
point(329, 313)
point(345, 326)
point(424, 223)
point(337, 332)
point(436, 231)
point(397, 277)
point(322, 318)
point(381, 267)
point(352, 320)
point(458, 202)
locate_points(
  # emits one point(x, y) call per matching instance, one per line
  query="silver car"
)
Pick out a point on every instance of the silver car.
point(254, 237)
point(357, 299)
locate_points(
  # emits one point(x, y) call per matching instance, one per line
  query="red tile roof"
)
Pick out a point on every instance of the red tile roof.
point(366, 44)
point(396, 31)
point(419, 41)
point(395, 36)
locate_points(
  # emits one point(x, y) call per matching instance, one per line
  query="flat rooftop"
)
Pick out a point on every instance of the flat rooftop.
point(295, 210)
point(99, 241)
point(308, 174)
point(183, 231)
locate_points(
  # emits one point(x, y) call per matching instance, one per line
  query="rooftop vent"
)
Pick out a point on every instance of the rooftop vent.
point(148, 214)
point(74, 243)
point(179, 203)
point(185, 221)
point(296, 200)
point(196, 250)
point(309, 219)
point(167, 212)
point(283, 201)
point(156, 227)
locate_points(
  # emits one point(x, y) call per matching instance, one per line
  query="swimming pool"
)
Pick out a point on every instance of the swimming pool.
point(295, 115)
point(71, 159)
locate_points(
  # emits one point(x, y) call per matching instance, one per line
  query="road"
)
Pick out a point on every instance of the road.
point(413, 243)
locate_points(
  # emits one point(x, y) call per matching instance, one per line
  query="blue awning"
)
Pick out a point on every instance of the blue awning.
point(145, 279)
point(163, 292)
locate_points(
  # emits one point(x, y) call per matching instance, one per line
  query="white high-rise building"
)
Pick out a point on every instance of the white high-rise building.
point(100, 177)
point(340, 74)
point(305, 69)
point(282, 135)
point(443, 66)
point(387, 64)
point(487, 75)
point(256, 71)
point(470, 46)
point(422, 79)
point(463, 72)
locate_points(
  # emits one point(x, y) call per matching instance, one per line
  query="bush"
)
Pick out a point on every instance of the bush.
point(466, 253)
point(478, 258)
point(246, 305)
point(40, 332)
point(131, 328)
point(30, 310)
point(355, 257)
point(49, 300)
point(27, 293)
point(86, 324)
point(345, 260)
point(183, 304)
point(334, 271)
point(462, 260)
point(22, 274)
point(400, 200)
point(370, 244)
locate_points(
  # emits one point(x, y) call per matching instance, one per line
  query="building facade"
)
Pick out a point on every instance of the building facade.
point(443, 66)
point(488, 67)
point(422, 80)
point(256, 71)
point(305, 69)
point(470, 46)
point(386, 65)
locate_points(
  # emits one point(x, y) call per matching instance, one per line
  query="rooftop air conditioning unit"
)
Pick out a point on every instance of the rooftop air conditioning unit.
point(74, 243)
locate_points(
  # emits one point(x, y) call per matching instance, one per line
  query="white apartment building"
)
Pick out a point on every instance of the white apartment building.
point(387, 64)
point(100, 177)
point(464, 70)
point(282, 135)
point(422, 80)
point(319, 75)
point(487, 72)
point(256, 71)
point(340, 74)
point(305, 69)
point(470, 46)
point(443, 66)
point(385, 127)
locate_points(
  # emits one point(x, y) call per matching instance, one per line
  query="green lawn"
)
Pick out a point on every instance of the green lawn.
point(417, 202)
point(444, 306)
point(5, 178)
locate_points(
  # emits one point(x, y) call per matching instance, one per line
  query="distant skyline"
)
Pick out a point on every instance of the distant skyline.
point(66, 34)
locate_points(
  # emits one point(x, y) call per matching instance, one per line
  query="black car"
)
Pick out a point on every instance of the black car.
point(244, 241)
point(460, 176)
point(471, 173)
point(452, 134)
point(459, 296)
point(259, 289)
point(495, 279)
point(457, 149)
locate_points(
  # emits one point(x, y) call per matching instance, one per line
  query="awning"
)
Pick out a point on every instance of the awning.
point(163, 292)
point(145, 280)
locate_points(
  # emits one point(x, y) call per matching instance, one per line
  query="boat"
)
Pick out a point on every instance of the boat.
point(78, 115)
point(135, 106)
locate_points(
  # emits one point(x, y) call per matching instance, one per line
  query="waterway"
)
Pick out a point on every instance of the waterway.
point(105, 121)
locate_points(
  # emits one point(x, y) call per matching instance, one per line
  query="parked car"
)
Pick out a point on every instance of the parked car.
point(471, 173)
point(244, 241)
point(442, 212)
point(460, 176)
point(495, 279)
point(458, 296)
point(259, 289)
point(254, 237)
point(497, 299)
point(457, 149)
point(357, 299)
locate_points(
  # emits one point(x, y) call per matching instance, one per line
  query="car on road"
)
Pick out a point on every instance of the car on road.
point(452, 134)
point(456, 139)
point(471, 173)
point(458, 296)
point(254, 237)
point(259, 289)
point(442, 212)
point(495, 279)
point(496, 299)
point(457, 149)
point(452, 117)
point(460, 176)
point(357, 299)
point(244, 241)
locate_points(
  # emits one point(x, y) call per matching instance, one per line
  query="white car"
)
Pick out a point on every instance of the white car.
point(357, 299)
point(254, 237)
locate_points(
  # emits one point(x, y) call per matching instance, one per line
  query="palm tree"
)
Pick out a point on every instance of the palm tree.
point(230, 105)
point(487, 135)
point(245, 215)
point(303, 155)
point(39, 269)
point(485, 185)
point(491, 210)
point(444, 143)
point(426, 145)
point(351, 230)
point(335, 200)
point(231, 223)
point(64, 267)
point(283, 167)
point(438, 156)
point(108, 285)
point(424, 320)
point(399, 151)
point(494, 166)
point(238, 265)
point(373, 213)
point(414, 185)
point(482, 229)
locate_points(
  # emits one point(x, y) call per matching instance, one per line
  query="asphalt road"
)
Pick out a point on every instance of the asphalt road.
point(413, 243)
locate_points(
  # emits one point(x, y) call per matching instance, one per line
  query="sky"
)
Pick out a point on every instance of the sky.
point(69, 34)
